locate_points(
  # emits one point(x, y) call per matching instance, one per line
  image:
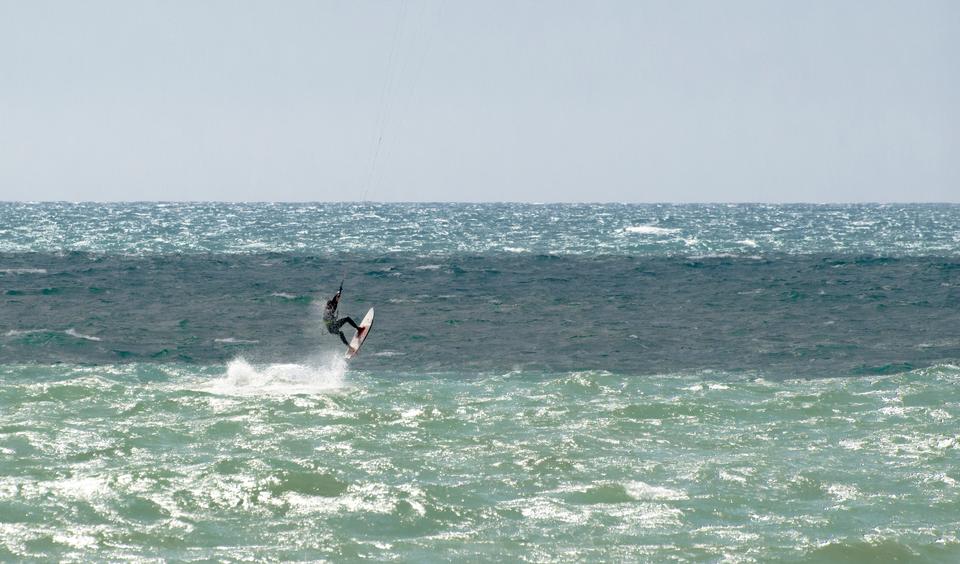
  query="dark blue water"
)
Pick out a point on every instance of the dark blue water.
point(788, 314)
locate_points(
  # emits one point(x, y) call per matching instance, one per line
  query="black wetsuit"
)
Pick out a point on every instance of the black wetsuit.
point(333, 324)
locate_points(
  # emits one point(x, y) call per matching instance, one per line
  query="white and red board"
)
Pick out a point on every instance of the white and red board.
point(361, 335)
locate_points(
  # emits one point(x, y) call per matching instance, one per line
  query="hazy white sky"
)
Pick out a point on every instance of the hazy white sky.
point(633, 101)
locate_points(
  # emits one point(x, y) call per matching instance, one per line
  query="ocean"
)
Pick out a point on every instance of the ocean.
point(543, 382)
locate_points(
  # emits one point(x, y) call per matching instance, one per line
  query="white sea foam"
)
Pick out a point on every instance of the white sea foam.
point(244, 379)
point(731, 477)
point(650, 230)
point(76, 540)
point(940, 415)
point(408, 417)
point(235, 341)
point(388, 353)
point(851, 444)
point(363, 498)
point(18, 332)
point(842, 492)
point(646, 516)
point(428, 267)
point(284, 295)
point(85, 488)
point(73, 333)
point(543, 509)
point(23, 270)
point(643, 491)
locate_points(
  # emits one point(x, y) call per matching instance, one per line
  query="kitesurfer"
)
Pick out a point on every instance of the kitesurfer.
point(330, 318)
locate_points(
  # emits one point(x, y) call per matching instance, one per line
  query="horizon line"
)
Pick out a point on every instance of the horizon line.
point(496, 202)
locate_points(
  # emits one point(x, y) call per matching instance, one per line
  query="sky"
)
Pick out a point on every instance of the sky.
point(545, 101)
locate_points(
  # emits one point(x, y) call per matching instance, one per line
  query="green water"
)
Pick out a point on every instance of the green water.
point(310, 461)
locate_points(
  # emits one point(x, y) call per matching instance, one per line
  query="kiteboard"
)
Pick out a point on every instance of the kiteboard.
point(361, 335)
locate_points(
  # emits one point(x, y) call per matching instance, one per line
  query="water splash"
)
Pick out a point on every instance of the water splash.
point(320, 374)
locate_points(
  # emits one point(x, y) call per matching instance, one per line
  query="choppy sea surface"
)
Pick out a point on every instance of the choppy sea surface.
point(543, 382)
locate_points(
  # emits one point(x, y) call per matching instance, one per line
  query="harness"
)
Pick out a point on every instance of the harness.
point(330, 318)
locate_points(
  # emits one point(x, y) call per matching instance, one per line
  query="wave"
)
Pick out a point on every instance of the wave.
point(650, 230)
point(23, 270)
point(70, 332)
point(883, 550)
point(73, 333)
point(19, 332)
point(724, 256)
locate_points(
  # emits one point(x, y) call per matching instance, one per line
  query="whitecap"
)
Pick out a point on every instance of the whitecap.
point(235, 341)
point(364, 498)
point(646, 515)
point(543, 509)
point(940, 415)
point(76, 540)
point(74, 333)
point(843, 492)
point(725, 256)
point(946, 443)
point(84, 488)
point(736, 534)
point(641, 491)
point(408, 417)
point(748, 292)
point(18, 332)
point(731, 477)
point(851, 444)
point(650, 230)
point(23, 270)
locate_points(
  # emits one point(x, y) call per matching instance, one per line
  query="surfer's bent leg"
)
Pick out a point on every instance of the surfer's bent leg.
point(341, 322)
